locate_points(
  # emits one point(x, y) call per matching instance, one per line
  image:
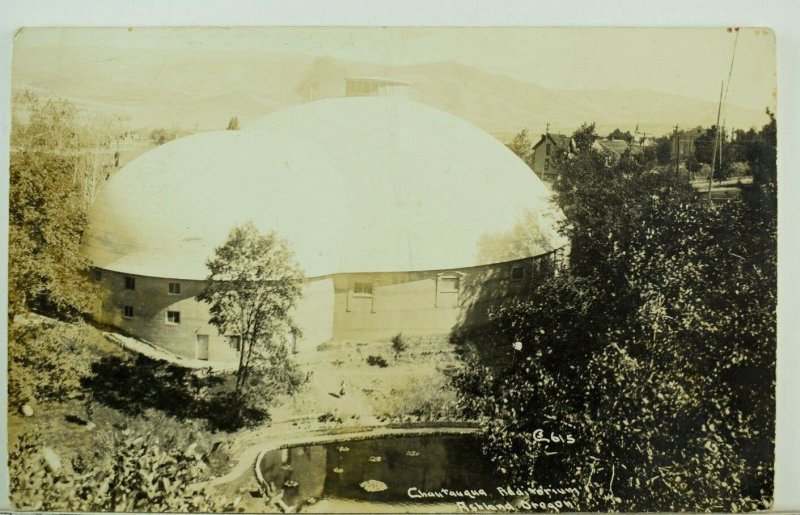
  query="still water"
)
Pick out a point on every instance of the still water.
point(380, 470)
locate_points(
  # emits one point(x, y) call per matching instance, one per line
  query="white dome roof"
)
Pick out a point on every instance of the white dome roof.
point(365, 184)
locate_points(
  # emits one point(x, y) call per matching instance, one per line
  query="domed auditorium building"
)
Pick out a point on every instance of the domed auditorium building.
point(387, 205)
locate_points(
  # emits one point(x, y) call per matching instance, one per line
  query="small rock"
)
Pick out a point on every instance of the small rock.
point(51, 460)
point(26, 410)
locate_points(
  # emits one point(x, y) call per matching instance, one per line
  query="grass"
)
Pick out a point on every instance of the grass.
point(178, 406)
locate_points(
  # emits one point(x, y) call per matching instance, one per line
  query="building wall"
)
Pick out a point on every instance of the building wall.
point(539, 157)
point(151, 300)
point(421, 305)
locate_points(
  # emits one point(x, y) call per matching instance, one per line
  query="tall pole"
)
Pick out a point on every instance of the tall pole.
point(721, 143)
point(714, 154)
point(677, 150)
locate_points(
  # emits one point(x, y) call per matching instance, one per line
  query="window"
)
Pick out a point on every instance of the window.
point(448, 284)
point(173, 317)
point(547, 149)
point(517, 273)
point(174, 288)
point(546, 164)
point(362, 288)
point(130, 283)
point(97, 274)
point(127, 311)
point(235, 342)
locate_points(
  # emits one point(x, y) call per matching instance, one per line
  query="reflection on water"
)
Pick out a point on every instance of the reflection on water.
point(337, 470)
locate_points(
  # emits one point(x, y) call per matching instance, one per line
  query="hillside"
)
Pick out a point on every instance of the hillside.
point(201, 90)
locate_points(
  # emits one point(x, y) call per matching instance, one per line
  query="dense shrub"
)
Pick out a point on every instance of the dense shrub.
point(46, 361)
point(140, 474)
point(377, 361)
point(399, 344)
point(654, 350)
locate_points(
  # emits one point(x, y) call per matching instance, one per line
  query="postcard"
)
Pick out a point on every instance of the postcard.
point(430, 270)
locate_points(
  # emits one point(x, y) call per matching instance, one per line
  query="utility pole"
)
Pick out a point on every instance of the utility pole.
point(644, 138)
point(714, 153)
point(721, 143)
point(677, 150)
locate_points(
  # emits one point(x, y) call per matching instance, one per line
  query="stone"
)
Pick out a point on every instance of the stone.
point(26, 410)
point(51, 460)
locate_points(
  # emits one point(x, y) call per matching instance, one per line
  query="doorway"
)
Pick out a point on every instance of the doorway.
point(202, 347)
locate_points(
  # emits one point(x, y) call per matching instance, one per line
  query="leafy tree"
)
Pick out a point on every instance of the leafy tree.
point(525, 239)
point(252, 286)
point(618, 134)
point(53, 126)
point(46, 221)
point(663, 150)
point(645, 350)
point(46, 362)
point(233, 124)
point(522, 146)
point(584, 136)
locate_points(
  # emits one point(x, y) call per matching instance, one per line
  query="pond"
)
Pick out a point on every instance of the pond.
point(394, 473)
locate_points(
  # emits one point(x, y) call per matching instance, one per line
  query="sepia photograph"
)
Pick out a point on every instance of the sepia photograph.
point(392, 269)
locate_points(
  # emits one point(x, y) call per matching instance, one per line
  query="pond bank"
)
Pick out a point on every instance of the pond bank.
point(247, 458)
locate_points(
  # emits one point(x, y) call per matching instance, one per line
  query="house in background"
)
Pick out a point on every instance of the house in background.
point(544, 152)
point(614, 149)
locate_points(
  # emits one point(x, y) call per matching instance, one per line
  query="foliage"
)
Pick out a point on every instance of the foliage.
point(663, 150)
point(584, 137)
point(399, 344)
point(377, 361)
point(253, 285)
point(647, 350)
point(56, 127)
point(139, 473)
point(522, 146)
point(160, 136)
point(49, 191)
point(46, 362)
point(525, 239)
point(618, 134)
point(430, 400)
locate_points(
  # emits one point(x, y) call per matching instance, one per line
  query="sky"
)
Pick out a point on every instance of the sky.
point(684, 61)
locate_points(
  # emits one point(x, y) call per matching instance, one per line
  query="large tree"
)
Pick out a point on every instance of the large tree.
point(252, 286)
point(522, 146)
point(654, 349)
point(53, 179)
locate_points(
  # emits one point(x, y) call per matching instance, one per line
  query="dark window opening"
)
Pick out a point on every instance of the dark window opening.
point(362, 288)
point(235, 342)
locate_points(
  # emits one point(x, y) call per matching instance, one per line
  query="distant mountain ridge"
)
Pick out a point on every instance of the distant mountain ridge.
point(201, 90)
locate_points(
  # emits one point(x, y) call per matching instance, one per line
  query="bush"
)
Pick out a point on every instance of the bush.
point(654, 350)
point(46, 361)
point(138, 475)
point(399, 344)
point(377, 361)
